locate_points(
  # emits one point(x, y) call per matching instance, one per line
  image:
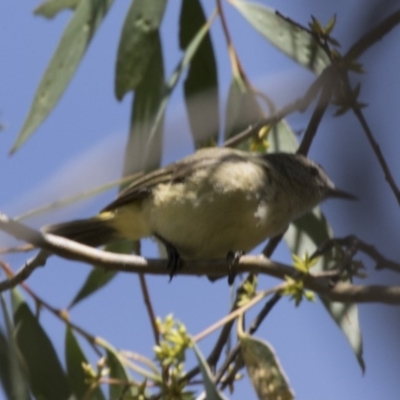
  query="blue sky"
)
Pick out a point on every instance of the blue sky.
point(82, 143)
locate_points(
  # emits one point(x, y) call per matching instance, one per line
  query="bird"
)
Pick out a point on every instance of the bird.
point(211, 204)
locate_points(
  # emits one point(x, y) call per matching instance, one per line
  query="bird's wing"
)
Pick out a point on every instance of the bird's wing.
point(173, 173)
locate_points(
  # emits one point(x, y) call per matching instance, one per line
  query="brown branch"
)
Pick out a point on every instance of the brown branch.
point(253, 328)
point(25, 271)
point(372, 36)
point(375, 146)
point(358, 245)
point(319, 111)
point(149, 307)
point(71, 250)
point(236, 64)
point(59, 313)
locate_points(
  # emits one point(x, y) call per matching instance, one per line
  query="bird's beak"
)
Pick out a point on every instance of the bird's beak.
point(340, 194)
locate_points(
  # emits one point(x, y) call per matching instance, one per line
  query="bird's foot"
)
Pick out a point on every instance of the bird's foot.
point(233, 258)
point(174, 261)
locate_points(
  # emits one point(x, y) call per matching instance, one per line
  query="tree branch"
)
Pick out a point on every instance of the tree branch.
point(375, 146)
point(372, 36)
point(71, 250)
point(358, 245)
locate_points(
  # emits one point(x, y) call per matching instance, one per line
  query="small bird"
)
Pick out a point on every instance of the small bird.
point(216, 202)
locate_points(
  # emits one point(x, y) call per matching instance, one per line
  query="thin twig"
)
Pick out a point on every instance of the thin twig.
point(61, 314)
point(149, 307)
point(316, 117)
point(18, 249)
point(352, 241)
point(234, 314)
point(375, 146)
point(253, 328)
point(236, 64)
point(373, 36)
point(25, 271)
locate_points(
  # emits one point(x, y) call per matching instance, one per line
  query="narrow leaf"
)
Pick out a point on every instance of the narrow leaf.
point(75, 358)
point(173, 80)
point(11, 377)
point(73, 44)
point(118, 372)
point(146, 103)
point(11, 373)
point(292, 39)
point(305, 235)
point(137, 43)
point(212, 392)
point(148, 96)
point(241, 111)
point(201, 84)
point(264, 369)
point(46, 377)
point(50, 8)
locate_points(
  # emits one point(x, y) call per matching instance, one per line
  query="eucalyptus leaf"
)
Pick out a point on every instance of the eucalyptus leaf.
point(46, 377)
point(242, 110)
point(173, 80)
point(119, 372)
point(201, 83)
point(137, 43)
point(11, 372)
point(212, 392)
point(148, 96)
point(75, 358)
point(75, 40)
point(305, 235)
point(264, 369)
point(50, 8)
point(292, 39)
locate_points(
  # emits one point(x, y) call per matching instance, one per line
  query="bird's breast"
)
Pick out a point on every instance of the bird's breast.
point(214, 212)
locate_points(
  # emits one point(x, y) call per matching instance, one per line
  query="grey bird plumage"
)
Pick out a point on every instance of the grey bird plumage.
point(209, 204)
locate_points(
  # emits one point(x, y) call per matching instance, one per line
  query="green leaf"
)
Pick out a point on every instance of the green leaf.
point(212, 392)
point(173, 80)
point(201, 84)
point(96, 279)
point(148, 96)
point(305, 235)
point(75, 357)
point(242, 110)
point(50, 8)
point(73, 44)
point(119, 372)
point(46, 377)
point(100, 277)
point(137, 43)
point(293, 40)
point(11, 373)
point(264, 369)
point(282, 139)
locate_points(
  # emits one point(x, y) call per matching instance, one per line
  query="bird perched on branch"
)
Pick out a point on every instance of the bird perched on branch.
point(215, 202)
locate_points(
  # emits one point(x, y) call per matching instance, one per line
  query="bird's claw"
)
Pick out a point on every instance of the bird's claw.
point(233, 258)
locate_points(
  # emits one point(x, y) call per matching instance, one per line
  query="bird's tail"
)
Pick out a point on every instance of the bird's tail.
point(93, 232)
